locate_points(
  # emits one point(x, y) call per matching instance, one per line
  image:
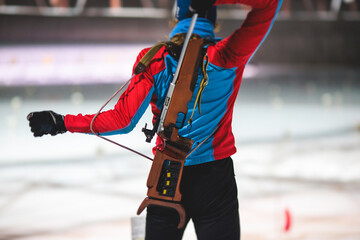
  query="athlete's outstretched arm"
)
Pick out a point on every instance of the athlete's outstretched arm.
point(121, 119)
point(238, 48)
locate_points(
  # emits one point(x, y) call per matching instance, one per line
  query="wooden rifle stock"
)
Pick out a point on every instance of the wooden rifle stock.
point(165, 174)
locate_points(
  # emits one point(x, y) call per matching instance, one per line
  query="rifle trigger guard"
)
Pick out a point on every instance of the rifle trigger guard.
point(177, 206)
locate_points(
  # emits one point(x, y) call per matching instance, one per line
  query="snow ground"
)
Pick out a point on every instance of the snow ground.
point(96, 198)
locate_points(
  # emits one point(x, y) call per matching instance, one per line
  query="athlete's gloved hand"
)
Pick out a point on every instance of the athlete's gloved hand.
point(200, 7)
point(46, 122)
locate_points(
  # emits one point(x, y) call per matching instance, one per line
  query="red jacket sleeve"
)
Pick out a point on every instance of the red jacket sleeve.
point(237, 49)
point(125, 114)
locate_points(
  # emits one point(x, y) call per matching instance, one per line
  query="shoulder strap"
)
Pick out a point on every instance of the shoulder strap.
point(173, 47)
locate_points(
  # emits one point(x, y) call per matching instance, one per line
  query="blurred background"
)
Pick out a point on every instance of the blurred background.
point(296, 120)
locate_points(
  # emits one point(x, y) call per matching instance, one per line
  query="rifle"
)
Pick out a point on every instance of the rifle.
point(165, 174)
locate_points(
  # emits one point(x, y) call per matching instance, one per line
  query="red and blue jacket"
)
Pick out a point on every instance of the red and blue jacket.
point(227, 60)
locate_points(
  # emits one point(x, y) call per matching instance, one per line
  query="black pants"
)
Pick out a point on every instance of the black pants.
point(209, 196)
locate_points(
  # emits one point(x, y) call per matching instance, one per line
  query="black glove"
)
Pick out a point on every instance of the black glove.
point(46, 122)
point(201, 7)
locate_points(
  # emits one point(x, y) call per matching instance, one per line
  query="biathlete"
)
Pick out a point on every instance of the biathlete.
point(208, 187)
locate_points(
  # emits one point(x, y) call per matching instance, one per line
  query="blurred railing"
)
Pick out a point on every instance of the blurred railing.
point(321, 10)
point(88, 8)
point(291, 9)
